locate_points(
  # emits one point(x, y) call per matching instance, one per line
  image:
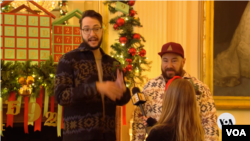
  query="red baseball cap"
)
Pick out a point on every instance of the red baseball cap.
point(172, 47)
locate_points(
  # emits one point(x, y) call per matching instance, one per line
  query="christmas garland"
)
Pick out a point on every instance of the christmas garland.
point(129, 51)
point(23, 75)
point(63, 9)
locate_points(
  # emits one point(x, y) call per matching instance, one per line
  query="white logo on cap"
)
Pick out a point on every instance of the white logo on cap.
point(225, 119)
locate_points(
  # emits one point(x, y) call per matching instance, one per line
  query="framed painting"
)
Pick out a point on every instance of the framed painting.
point(225, 52)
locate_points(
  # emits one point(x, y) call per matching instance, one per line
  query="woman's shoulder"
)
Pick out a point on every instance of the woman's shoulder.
point(161, 133)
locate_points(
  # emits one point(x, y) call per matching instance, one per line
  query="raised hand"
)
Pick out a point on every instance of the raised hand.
point(110, 89)
point(113, 90)
point(119, 81)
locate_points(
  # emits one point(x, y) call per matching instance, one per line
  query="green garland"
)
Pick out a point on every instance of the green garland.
point(44, 75)
point(140, 64)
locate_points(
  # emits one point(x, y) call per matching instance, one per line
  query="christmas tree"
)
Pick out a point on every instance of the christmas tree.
point(129, 51)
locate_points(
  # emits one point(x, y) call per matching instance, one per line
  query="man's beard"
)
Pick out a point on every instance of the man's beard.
point(86, 44)
point(177, 73)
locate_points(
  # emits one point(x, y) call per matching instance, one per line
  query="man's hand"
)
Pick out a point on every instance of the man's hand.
point(144, 120)
point(110, 89)
point(119, 81)
point(113, 90)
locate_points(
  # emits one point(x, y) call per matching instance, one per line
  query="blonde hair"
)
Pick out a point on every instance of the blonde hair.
point(179, 109)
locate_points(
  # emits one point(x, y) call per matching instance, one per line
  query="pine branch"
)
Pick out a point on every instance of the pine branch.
point(121, 53)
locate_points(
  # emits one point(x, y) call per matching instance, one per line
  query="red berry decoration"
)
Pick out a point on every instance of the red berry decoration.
point(132, 13)
point(123, 40)
point(64, 4)
point(142, 53)
point(136, 36)
point(115, 26)
point(129, 61)
point(131, 2)
point(124, 70)
point(132, 51)
point(120, 22)
point(129, 67)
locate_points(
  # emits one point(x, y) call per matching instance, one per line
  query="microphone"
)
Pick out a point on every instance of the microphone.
point(138, 99)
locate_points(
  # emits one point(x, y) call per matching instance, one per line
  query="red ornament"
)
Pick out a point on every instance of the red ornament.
point(64, 3)
point(120, 22)
point(131, 2)
point(136, 36)
point(129, 67)
point(123, 40)
point(132, 51)
point(132, 13)
point(115, 26)
point(124, 70)
point(129, 61)
point(142, 53)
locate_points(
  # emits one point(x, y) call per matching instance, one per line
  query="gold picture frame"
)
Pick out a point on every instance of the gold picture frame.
point(206, 50)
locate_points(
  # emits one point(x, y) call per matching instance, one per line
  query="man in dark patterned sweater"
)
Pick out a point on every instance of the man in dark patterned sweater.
point(172, 63)
point(87, 88)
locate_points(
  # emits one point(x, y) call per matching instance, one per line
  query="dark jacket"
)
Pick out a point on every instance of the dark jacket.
point(75, 90)
point(162, 133)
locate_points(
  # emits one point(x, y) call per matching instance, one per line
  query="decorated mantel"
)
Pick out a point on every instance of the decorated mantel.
point(27, 84)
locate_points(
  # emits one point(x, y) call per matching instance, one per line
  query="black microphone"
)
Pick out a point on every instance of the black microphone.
point(138, 99)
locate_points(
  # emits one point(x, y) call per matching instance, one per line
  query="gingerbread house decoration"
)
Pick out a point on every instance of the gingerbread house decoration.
point(25, 36)
point(65, 37)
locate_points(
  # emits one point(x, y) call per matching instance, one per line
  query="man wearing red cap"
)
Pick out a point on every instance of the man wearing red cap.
point(172, 63)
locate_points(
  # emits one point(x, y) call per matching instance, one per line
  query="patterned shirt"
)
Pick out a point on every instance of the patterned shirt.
point(75, 90)
point(154, 91)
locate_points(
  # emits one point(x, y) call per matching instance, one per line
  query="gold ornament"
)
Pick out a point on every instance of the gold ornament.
point(30, 80)
point(26, 88)
point(22, 80)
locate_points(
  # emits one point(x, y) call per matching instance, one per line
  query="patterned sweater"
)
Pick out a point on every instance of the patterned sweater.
point(154, 91)
point(75, 90)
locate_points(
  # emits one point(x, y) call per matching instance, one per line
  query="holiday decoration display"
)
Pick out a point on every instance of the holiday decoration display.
point(129, 67)
point(47, 5)
point(27, 67)
point(115, 26)
point(33, 80)
point(131, 2)
point(26, 36)
point(142, 53)
point(6, 7)
point(129, 61)
point(129, 51)
point(132, 13)
point(136, 36)
point(63, 6)
point(25, 89)
point(132, 51)
point(121, 6)
point(123, 40)
point(120, 22)
point(65, 37)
